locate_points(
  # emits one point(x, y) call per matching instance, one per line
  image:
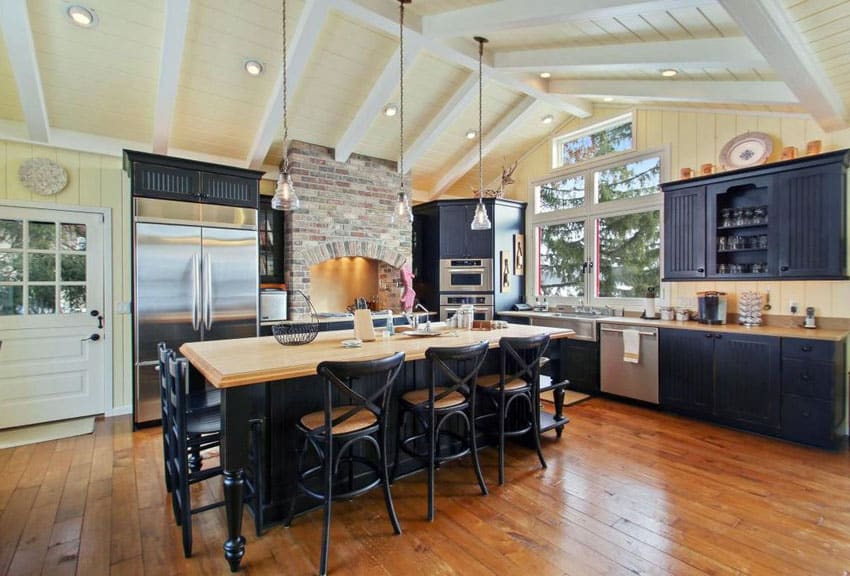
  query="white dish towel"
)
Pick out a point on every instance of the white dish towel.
point(631, 346)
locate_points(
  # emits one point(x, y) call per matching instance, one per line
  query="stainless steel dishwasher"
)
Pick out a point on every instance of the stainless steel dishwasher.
point(638, 381)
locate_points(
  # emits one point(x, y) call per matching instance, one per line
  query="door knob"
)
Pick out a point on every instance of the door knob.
point(93, 338)
point(99, 316)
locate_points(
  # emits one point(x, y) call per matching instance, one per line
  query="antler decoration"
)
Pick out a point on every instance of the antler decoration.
point(506, 179)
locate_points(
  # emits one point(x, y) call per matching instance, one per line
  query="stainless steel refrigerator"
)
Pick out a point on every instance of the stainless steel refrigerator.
point(195, 278)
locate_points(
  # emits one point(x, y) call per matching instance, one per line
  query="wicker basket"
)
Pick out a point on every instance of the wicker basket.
point(296, 333)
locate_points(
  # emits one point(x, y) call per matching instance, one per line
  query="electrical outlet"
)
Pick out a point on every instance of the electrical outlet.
point(794, 306)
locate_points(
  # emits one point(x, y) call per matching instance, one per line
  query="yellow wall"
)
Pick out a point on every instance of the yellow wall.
point(93, 180)
point(695, 138)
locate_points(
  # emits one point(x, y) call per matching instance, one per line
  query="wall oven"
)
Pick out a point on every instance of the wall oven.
point(482, 305)
point(466, 275)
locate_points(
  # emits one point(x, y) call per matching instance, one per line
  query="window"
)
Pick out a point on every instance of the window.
point(601, 243)
point(608, 137)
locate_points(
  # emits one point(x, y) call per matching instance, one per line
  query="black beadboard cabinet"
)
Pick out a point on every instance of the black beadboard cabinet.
point(805, 223)
point(169, 178)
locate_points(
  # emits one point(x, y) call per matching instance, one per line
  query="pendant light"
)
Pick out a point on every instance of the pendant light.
point(284, 194)
point(480, 221)
point(401, 212)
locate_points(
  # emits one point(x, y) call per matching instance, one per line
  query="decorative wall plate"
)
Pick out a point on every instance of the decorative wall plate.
point(43, 176)
point(748, 149)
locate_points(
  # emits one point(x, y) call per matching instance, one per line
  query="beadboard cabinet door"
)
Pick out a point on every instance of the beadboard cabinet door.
point(684, 233)
point(687, 371)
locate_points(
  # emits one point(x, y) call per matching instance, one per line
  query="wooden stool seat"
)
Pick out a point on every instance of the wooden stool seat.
point(360, 421)
point(417, 397)
point(492, 380)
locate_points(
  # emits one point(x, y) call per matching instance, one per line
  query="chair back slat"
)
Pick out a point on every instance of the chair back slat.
point(524, 355)
point(465, 355)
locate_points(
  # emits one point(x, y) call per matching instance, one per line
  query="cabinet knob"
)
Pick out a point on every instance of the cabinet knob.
point(806, 348)
point(701, 270)
point(709, 335)
point(783, 268)
point(805, 413)
point(718, 336)
point(804, 377)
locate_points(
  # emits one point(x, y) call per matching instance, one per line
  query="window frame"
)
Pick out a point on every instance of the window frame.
point(589, 212)
point(557, 141)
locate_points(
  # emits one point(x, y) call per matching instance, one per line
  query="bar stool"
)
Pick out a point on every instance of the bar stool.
point(518, 382)
point(190, 432)
point(333, 432)
point(434, 406)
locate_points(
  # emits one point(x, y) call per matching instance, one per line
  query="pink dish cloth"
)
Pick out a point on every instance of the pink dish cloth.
point(409, 295)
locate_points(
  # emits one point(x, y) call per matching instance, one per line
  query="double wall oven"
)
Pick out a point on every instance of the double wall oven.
point(466, 281)
point(482, 305)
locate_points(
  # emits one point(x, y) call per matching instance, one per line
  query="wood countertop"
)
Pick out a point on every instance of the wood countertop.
point(244, 361)
point(764, 330)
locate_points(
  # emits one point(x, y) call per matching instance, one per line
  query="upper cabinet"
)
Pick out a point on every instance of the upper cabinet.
point(168, 178)
point(270, 225)
point(457, 239)
point(783, 220)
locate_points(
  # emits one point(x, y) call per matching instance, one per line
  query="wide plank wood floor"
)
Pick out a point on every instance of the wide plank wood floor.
point(628, 491)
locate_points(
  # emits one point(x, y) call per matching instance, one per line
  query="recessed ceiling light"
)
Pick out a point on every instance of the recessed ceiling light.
point(253, 67)
point(608, 99)
point(669, 72)
point(81, 16)
point(390, 109)
point(547, 119)
point(545, 75)
point(471, 134)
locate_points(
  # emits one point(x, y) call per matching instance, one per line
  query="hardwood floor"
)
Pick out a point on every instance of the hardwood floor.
point(628, 491)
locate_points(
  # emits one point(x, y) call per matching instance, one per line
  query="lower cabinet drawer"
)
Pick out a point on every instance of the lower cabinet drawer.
point(807, 420)
point(807, 378)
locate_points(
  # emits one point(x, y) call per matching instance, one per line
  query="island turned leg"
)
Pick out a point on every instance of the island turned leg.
point(558, 396)
point(235, 408)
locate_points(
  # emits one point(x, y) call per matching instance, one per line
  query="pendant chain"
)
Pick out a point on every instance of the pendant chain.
point(284, 160)
point(401, 94)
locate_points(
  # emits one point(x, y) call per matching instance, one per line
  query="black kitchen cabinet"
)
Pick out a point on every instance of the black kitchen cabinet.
point(580, 365)
point(270, 227)
point(457, 239)
point(684, 233)
point(747, 381)
point(686, 371)
point(168, 178)
point(782, 220)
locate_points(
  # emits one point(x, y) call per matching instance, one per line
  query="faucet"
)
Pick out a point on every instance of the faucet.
point(414, 319)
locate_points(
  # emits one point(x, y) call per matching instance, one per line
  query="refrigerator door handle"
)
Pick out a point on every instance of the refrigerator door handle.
point(208, 308)
point(196, 289)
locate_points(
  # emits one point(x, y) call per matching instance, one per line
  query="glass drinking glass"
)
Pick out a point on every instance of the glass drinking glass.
point(738, 217)
point(748, 216)
point(726, 217)
point(723, 269)
point(763, 241)
point(721, 243)
point(758, 215)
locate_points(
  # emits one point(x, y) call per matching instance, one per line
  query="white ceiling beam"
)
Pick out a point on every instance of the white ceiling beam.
point(462, 98)
point(701, 53)
point(371, 107)
point(173, 41)
point(733, 92)
point(769, 28)
point(17, 34)
point(512, 14)
point(504, 128)
point(303, 41)
point(461, 52)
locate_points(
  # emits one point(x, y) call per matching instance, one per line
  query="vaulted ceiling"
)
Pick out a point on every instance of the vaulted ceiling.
point(168, 76)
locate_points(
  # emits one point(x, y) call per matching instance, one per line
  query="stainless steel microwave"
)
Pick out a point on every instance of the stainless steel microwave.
point(466, 275)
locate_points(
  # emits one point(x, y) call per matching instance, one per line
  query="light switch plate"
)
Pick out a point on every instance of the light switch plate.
point(122, 307)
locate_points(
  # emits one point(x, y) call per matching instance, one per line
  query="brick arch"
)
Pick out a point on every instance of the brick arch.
point(351, 248)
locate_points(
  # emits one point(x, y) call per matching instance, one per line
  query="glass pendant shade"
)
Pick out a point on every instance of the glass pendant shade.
point(481, 221)
point(402, 212)
point(284, 195)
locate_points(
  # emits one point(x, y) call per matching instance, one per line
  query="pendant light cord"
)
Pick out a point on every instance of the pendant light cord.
point(401, 93)
point(284, 160)
point(480, 122)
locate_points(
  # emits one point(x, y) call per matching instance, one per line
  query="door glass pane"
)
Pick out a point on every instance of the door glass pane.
point(629, 249)
point(42, 267)
point(74, 237)
point(42, 236)
point(11, 300)
point(631, 180)
point(560, 195)
point(73, 268)
point(11, 234)
point(72, 299)
point(42, 299)
point(11, 267)
point(560, 256)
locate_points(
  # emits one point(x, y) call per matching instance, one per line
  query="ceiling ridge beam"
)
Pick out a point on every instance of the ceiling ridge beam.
point(696, 53)
point(301, 46)
point(769, 28)
point(173, 43)
point(732, 92)
point(461, 52)
point(512, 14)
point(461, 98)
point(378, 96)
point(506, 125)
point(17, 33)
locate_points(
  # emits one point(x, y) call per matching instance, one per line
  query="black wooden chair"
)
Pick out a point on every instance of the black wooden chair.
point(450, 396)
point(513, 395)
point(191, 432)
point(335, 434)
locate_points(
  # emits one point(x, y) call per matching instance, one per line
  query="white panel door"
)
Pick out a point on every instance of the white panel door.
point(52, 337)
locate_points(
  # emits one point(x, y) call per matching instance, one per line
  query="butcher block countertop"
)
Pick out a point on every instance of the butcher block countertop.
point(244, 361)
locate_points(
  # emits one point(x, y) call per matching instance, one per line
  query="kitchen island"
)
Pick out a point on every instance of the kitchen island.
point(260, 378)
